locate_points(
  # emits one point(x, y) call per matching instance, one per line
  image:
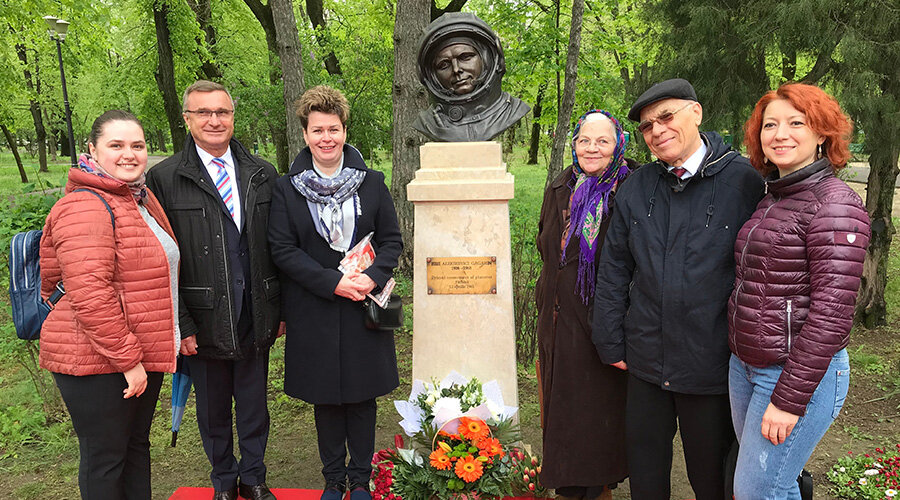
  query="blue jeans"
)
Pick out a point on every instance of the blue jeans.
point(764, 470)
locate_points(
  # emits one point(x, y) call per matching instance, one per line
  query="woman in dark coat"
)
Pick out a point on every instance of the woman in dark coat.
point(329, 201)
point(583, 400)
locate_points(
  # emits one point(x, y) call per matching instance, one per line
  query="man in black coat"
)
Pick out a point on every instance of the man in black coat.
point(665, 274)
point(217, 197)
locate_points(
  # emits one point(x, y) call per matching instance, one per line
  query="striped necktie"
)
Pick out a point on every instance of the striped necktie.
point(223, 185)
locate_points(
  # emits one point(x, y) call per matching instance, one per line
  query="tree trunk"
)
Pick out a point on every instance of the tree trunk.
point(11, 140)
point(34, 105)
point(288, 41)
point(535, 140)
point(408, 98)
point(453, 6)
point(264, 15)
point(317, 16)
point(568, 101)
point(203, 12)
point(161, 138)
point(51, 141)
point(165, 75)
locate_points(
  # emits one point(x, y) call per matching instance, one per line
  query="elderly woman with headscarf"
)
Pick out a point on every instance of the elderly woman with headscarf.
point(583, 400)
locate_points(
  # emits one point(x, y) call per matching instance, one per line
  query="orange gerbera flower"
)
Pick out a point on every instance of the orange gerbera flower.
point(473, 428)
point(469, 469)
point(490, 447)
point(439, 459)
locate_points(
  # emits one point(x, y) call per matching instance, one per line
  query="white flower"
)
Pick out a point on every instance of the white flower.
point(890, 493)
point(842, 469)
point(871, 472)
point(863, 481)
point(430, 399)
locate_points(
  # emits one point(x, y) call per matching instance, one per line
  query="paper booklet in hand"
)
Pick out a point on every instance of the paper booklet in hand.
point(358, 259)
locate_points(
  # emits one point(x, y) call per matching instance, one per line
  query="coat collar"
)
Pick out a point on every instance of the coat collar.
point(352, 159)
point(800, 179)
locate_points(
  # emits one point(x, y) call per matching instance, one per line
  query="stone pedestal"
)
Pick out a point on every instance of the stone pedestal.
point(461, 195)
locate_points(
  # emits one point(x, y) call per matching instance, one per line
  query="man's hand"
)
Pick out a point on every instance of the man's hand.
point(777, 424)
point(137, 381)
point(349, 288)
point(620, 365)
point(189, 346)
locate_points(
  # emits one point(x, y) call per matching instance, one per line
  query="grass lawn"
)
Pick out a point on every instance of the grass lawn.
point(39, 457)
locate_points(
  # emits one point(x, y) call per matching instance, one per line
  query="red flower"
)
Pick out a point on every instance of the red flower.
point(468, 469)
point(473, 428)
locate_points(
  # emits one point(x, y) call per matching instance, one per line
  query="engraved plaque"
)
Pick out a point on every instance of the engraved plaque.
point(461, 275)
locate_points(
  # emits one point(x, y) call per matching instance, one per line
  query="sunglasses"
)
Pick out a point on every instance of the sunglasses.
point(664, 117)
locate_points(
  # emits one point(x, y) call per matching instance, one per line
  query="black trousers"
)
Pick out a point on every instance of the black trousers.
point(652, 417)
point(346, 427)
point(113, 434)
point(217, 383)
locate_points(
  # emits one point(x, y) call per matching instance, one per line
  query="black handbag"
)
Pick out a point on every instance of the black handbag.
point(388, 318)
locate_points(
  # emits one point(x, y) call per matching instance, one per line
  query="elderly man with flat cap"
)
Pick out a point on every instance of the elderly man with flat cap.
point(665, 273)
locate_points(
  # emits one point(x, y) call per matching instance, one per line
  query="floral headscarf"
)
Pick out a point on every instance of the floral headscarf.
point(589, 203)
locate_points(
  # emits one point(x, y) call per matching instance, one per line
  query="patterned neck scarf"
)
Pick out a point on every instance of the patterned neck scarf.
point(138, 187)
point(589, 203)
point(328, 194)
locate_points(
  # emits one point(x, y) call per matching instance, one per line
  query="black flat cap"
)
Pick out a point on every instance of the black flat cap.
point(676, 88)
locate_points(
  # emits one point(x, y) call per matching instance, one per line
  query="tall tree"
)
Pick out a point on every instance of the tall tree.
point(870, 89)
point(203, 12)
point(316, 14)
point(165, 74)
point(288, 41)
point(11, 140)
point(534, 141)
point(408, 99)
point(564, 113)
point(263, 14)
point(34, 106)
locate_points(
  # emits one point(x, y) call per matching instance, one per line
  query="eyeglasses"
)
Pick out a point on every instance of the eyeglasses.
point(663, 118)
point(206, 114)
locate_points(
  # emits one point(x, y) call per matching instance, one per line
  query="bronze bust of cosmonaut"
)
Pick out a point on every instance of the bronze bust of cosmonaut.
point(461, 64)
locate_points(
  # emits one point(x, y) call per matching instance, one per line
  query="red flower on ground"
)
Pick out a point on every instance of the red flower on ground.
point(469, 469)
point(473, 428)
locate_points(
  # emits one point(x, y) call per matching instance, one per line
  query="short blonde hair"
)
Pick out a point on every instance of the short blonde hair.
point(323, 99)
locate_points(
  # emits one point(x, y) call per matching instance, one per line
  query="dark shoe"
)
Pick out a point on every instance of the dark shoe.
point(231, 494)
point(256, 492)
point(359, 492)
point(333, 491)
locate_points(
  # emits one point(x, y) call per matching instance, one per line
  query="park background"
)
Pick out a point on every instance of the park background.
point(562, 56)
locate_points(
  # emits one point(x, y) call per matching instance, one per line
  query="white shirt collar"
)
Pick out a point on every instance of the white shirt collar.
point(206, 158)
point(692, 164)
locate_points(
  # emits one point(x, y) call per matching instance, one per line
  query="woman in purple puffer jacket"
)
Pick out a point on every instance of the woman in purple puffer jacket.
point(799, 261)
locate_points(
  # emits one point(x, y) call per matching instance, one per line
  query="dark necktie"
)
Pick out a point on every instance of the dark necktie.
point(679, 171)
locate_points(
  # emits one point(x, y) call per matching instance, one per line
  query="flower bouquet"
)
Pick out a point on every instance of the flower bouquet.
point(460, 430)
point(526, 474)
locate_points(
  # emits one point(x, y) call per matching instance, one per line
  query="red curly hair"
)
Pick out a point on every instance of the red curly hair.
point(824, 116)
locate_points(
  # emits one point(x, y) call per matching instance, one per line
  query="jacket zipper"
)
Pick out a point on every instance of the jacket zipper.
point(248, 217)
point(741, 283)
point(229, 292)
point(789, 310)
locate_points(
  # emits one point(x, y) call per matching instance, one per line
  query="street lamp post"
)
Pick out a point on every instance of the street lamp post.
point(57, 31)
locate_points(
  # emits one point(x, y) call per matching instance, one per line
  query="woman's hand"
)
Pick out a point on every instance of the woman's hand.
point(777, 424)
point(349, 288)
point(137, 381)
point(366, 282)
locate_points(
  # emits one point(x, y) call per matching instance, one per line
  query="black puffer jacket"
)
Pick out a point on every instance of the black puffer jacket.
point(667, 269)
point(799, 262)
point(198, 218)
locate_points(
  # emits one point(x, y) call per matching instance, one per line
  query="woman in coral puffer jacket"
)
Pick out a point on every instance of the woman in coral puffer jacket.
point(111, 337)
point(799, 261)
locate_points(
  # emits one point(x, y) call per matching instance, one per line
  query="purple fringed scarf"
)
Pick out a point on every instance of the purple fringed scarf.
point(589, 203)
point(138, 187)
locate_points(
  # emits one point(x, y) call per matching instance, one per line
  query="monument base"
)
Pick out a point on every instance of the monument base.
point(461, 195)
